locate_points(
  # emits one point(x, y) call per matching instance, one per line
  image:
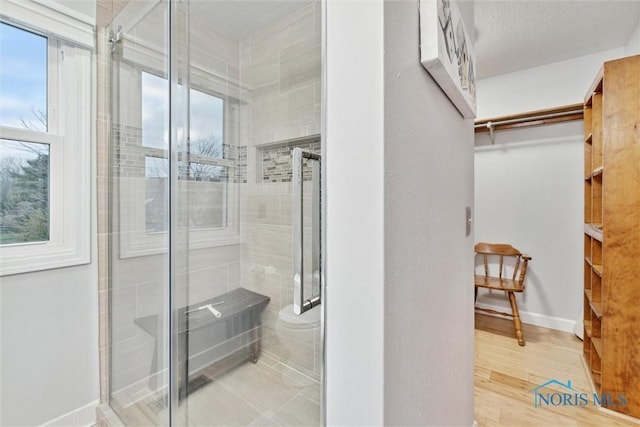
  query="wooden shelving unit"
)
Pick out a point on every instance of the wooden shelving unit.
point(612, 232)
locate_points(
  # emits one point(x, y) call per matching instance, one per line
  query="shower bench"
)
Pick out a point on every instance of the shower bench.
point(224, 325)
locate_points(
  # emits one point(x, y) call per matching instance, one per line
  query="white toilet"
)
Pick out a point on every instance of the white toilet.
point(300, 333)
point(308, 320)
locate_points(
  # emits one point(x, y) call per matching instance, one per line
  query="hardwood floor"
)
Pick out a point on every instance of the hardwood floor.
point(505, 374)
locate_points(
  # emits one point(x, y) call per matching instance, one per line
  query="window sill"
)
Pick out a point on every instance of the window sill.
point(155, 244)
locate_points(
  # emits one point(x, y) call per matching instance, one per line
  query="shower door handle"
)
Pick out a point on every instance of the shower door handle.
point(300, 303)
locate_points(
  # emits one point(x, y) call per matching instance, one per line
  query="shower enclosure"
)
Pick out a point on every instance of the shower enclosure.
point(215, 225)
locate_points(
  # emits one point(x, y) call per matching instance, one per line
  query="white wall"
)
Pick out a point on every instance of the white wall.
point(428, 296)
point(633, 43)
point(49, 356)
point(529, 187)
point(529, 193)
point(395, 232)
point(547, 86)
point(354, 144)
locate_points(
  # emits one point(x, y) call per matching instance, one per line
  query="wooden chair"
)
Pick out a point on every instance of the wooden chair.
point(500, 283)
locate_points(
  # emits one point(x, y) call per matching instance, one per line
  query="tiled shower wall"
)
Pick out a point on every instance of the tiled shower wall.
point(280, 67)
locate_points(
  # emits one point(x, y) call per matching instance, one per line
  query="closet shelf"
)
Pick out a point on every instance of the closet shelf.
point(594, 230)
point(587, 328)
point(596, 87)
point(596, 267)
point(596, 307)
point(597, 344)
point(610, 301)
point(597, 378)
point(597, 172)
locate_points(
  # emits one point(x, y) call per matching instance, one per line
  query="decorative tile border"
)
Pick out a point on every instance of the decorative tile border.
point(129, 157)
point(276, 162)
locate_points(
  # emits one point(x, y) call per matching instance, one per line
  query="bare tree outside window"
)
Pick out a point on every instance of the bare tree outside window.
point(24, 192)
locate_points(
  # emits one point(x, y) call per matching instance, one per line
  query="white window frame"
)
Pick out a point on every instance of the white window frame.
point(136, 241)
point(70, 77)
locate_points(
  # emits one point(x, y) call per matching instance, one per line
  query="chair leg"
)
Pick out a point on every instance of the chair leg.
point(475, 297)
point(516, 318)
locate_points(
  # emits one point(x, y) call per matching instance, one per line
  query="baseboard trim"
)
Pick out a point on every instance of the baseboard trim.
point(80, 417)
point(536, 319)
point(620, 415)
point(107, 417)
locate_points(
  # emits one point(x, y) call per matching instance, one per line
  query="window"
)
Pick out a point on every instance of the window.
point(24, 192)
point(45, 142)
point(206, 124)
point(208, 175)
point(209, 179)
point(24, 165)
point(208, 186)
point(156, 174)
point(206, 193)
point(23, 86)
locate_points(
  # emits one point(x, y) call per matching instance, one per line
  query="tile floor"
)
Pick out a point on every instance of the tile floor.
point(268, 393)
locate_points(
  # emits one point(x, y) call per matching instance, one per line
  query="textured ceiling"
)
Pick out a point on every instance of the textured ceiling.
point(238, 19)
point(513, 35)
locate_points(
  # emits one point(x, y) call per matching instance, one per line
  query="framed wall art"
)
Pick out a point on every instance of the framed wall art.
point(446, 51)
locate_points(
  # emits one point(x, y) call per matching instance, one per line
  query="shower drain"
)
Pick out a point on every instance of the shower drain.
point(195, 384)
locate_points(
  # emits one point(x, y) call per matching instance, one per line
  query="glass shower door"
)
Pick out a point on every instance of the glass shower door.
point(211, 99)
point(139, 238)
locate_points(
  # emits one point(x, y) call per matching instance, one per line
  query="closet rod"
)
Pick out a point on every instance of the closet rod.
point(532, 118)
